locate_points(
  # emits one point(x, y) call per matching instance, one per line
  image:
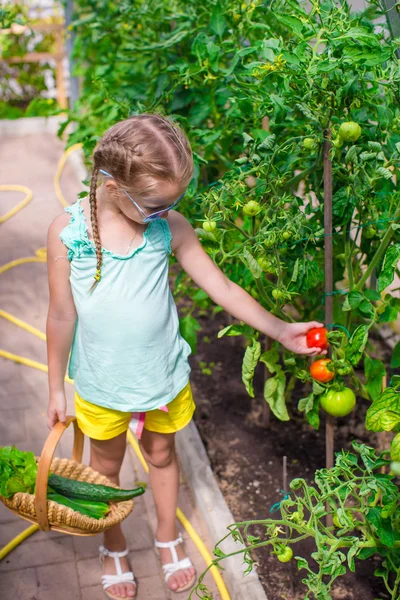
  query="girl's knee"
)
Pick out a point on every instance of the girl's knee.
point(106, 456)
point(158, 452)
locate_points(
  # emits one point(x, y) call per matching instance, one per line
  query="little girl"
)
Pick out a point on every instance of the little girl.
point(111, 301)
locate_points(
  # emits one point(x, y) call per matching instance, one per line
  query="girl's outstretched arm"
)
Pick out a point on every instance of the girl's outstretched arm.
point(61, 319)
point(236, 301)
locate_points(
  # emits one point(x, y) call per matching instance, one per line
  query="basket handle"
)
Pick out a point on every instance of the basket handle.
point(45, 461)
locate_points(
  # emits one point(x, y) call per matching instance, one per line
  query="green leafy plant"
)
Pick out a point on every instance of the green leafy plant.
point(18, 471)
point(257, 87)
point(364, 504)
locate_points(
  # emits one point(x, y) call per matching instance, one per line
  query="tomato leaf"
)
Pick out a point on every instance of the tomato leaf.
point(252, 264)
point(274, 394)
point(357, 343)
point(250, 361)
point(236, 329)
point(374, 372)
point(355, 547)
point(386, 275)
point(395, 362)
point(383, 527)
point(352, 300)
point(218, 22)
point(189, 326)
point(384, 412)
point(268, 143)
point(306, 404)
point(270, 359)
point(395, 448)
point(356, 300)
point(291, 22)
point(313, 414)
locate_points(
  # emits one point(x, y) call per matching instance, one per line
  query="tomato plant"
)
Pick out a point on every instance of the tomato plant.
point(352, 493)
point(252, 111)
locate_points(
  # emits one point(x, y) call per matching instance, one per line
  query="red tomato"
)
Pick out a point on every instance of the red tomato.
point(320, 372)
point(317, 338)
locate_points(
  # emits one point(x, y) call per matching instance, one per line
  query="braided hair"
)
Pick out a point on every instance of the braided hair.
point(137, 152)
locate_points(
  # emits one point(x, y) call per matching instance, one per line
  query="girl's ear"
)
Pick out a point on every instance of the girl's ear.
point(111, 188)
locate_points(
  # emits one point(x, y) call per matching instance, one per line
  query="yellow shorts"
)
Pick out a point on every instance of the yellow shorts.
point(101, 423)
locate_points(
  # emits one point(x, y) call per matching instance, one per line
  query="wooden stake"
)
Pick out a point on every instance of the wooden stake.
point(330, 423)
point(329, 438)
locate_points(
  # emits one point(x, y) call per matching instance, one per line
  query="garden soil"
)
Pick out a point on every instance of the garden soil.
point(247, 458)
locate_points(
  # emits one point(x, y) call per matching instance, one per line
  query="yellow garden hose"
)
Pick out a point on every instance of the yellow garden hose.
point(59, 170)
point(41, 256)
point(24, 202)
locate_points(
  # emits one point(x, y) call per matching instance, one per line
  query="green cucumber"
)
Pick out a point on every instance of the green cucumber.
point(96, 510)
point(83, 490)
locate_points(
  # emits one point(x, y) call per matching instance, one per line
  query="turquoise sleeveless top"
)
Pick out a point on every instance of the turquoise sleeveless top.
point(127, 352)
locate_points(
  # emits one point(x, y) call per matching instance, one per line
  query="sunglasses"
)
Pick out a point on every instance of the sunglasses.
point(153, 216)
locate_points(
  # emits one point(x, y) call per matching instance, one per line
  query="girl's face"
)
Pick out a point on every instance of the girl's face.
point(163, 196)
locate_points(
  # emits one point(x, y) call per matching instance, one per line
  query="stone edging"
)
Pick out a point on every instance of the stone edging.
point(215, 513)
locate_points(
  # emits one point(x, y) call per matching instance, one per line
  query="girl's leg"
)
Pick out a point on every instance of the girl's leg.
point(159, 451)
point(106, 457)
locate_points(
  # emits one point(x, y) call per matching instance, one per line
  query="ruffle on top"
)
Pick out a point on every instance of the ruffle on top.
point(75, 236)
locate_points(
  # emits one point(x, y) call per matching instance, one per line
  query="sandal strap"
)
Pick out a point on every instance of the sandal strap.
point(116, 556)
point(170, 546)
point(109, 580)
point(171, 568)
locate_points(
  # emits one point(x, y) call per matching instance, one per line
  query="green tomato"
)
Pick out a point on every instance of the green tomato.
point(309, 143)
point(209, 226)
point(350, 131)
point(337, 142)
point(277, 294)
point(370, 232)
point(285, 555)
point(266, 265)
point(338, 403)
point(270, 241)
point(252, 208)
point(286, 235)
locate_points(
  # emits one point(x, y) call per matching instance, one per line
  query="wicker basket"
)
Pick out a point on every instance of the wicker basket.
point(51, 515)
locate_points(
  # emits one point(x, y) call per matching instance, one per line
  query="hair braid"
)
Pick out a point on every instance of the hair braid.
point(95, 226)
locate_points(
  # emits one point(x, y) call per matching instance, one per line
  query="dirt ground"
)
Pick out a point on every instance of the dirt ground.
point(247, 458)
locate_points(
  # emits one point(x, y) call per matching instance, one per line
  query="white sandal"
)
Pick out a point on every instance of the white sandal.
point(171, 568)
point(119, 577)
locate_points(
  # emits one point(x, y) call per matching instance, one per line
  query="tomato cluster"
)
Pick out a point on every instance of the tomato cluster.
point(336, 402)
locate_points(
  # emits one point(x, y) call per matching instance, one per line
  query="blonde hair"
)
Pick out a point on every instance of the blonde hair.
point(138, 152)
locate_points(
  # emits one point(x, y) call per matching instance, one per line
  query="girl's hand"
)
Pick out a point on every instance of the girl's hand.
point(56, 409)
point(293, 337)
